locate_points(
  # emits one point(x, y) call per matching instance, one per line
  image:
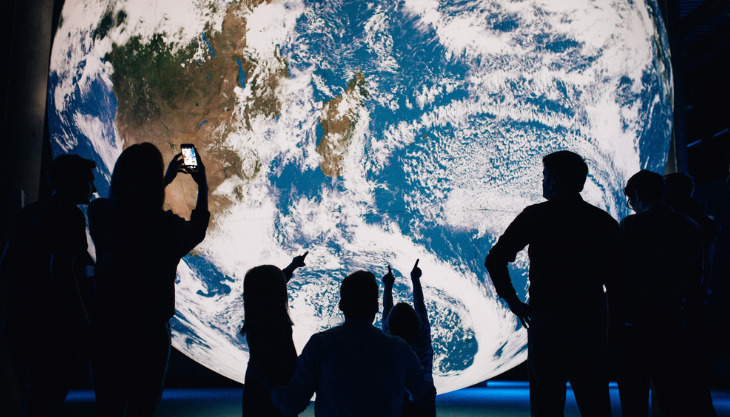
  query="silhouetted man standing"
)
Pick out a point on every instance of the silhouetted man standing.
point(43, 266)
point(664, 265)
point(355, 368)
point(572, 247)
point(680, 196)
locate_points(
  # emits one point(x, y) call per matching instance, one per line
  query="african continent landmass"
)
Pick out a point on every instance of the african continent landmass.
point(172, 94)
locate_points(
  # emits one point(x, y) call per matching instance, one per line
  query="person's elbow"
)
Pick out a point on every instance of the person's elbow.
point(200, 236)
point(493, 262)
point(199, 222)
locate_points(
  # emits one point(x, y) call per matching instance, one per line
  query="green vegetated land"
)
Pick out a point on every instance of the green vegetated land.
point(168, 94)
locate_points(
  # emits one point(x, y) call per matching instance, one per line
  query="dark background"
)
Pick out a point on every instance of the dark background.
point(699, 32)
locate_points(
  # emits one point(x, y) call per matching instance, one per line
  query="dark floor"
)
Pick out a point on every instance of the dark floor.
point(498, 399)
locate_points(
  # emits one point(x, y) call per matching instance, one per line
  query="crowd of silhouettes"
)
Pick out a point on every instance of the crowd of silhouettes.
point(120, 319)
point(633, 293)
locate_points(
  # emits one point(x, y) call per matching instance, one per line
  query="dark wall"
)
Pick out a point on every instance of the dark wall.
point(26, 30)
point(699, 31)
point(27, 24)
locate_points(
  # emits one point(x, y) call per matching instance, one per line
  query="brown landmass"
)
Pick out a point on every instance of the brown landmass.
point(171, 110)
point(338, 127)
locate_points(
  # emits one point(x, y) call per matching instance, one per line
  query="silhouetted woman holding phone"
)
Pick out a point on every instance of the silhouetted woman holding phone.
point(268, 331)
point(138, 247)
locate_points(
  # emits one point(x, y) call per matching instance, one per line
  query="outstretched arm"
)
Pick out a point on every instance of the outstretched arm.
point(190, 233)
point(199, 176)
point(297, 262)
point(418, 301)
point(388, 280)
point(201, 179)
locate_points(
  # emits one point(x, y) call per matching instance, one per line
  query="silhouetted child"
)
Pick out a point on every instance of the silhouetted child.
point(138, 248)
point(268, 331)
point(43, 268)
point(413, 326)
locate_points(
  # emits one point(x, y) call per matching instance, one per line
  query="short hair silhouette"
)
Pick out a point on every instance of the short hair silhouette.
point(69, 170)
point(568, 169)
point(265, 300)
point(648, 186)
point(137, 178)
point(403, 322)
point(359, 295)
point(680, 187)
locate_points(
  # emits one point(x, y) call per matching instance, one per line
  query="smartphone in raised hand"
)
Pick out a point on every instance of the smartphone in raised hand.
point(190, 156)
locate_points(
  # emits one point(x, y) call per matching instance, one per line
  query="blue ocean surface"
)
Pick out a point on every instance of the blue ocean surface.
point(215, 282)
point(98, 102)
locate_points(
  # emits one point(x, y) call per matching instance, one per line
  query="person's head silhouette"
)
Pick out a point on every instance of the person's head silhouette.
point(359, 296)
point(563, 172)
point(680, 188)
point(403, 322)
point(72, 178)
point(644, 190)
point(137, 178)
point(265, 301)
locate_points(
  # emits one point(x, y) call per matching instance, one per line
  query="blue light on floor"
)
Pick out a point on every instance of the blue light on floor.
point(201, 393)
point(81, 396)
point(507, 384)
point(499, 398)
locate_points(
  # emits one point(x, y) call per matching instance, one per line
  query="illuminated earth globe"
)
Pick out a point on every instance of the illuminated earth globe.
point(368, 133)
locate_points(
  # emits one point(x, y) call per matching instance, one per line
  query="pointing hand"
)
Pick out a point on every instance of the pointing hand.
point(389, 278)
point(298, 261)
point(416, 271)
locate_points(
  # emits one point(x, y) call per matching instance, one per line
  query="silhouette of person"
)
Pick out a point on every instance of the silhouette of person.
point(44, 268)
point(413, 326)
point(355, 368)
point(572, 252)
point(680, 196)
point(268, 332)
point(138, 247)
point(664, 265)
